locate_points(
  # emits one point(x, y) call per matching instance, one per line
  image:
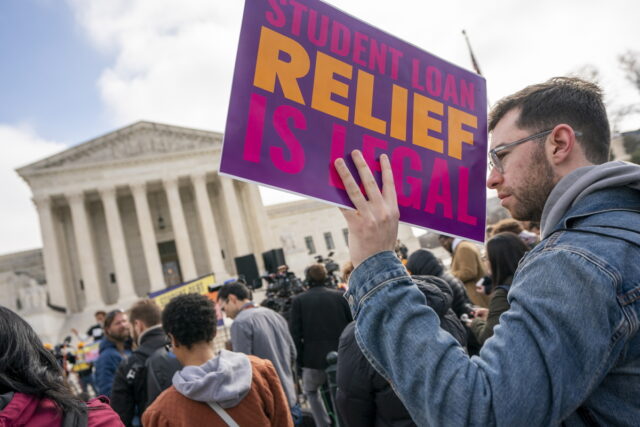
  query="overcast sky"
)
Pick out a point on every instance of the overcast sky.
point(73, 70)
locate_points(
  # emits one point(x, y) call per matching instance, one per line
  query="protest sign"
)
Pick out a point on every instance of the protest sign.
point(204, 285)
point(91, 352)
point(197, 286)
point(312, 83)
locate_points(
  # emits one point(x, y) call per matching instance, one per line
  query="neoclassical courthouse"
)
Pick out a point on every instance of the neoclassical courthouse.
point(143, 208)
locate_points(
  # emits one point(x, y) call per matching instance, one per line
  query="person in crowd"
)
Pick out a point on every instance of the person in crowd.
point(263, 333)
point(130, 394)
point(115, 347)
point(84, 370)
point(568, 350)
point(466, 265)
point(346, 270)
point(401, 250)
point(227, 389)
point(513, 226)
point(423, 262)
point(33, 391)
point(318, 317)
point(95, 332)
point(364, 397)
point(504, 251)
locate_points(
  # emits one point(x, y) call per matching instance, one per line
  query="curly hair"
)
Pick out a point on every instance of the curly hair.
point(190, 319)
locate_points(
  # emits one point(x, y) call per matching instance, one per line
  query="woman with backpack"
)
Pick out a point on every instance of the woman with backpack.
point(504, 251)
point(33, 390)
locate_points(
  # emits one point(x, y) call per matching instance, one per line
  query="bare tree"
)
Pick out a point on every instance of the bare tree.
point(630, 64)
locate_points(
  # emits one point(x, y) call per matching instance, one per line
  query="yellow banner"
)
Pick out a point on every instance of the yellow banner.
point(198, 286)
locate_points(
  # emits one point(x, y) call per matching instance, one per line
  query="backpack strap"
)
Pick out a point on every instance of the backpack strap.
point(75, 419)
point(223, 414)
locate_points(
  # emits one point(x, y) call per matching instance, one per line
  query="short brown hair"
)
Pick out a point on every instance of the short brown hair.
point(507, 225)
point(568, 100)
point(147, 311)
point(317, 274)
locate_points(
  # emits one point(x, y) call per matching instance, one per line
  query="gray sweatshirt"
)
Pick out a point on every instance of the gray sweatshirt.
point(583, 181)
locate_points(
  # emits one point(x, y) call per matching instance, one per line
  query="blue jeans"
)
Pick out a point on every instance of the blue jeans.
point(296, 414)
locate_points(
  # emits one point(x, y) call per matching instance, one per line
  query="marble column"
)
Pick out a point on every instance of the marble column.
point(86, 252)
point(262, 236)
point(234, 215)
point(147, 233)
point(211, 238)
point(60, 293)
point(180, 230)
point(118, 246)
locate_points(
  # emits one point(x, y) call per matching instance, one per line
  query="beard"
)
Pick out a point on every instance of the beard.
point(120, 336)
point(535, 190)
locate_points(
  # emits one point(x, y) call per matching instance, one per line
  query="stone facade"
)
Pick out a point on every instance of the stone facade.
point(142, 208)
point(137, 210)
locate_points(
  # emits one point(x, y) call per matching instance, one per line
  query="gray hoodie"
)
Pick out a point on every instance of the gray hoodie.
point(225, 379)
point(584, 181)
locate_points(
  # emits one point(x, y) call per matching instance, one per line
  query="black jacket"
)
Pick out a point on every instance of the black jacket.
point(129, 392)
point(364, 397)
point(461, 303)
point(318, 317)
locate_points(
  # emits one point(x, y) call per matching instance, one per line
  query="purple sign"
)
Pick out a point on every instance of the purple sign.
point(312, 83)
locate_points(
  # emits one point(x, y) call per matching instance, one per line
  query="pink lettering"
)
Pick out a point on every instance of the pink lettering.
point(463, 197)
point(280, 122)
point(255, 128)
point(415, 184)
point(440, 179)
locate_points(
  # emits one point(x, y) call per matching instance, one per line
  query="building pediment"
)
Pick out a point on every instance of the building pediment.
point(139, 140)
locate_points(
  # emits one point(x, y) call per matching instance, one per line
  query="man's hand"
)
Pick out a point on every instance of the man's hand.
point(373, 226)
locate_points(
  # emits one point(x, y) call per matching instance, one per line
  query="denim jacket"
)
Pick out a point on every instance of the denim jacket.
point(567, 351)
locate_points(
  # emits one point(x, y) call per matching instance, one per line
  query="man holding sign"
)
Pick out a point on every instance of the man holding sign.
point(568, 350)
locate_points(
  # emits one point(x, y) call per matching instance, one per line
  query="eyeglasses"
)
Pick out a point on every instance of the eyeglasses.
point(494, 159)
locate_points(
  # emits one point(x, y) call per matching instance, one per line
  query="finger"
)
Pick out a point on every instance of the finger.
point(388, 185)
point(366, 177)
point(349, 214)
point(350, 185)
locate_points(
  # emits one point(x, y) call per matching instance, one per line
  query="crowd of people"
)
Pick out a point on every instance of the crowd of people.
point(539, 326)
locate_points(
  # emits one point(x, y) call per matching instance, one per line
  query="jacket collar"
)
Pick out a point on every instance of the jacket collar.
point(150, 333)
point(614, 199)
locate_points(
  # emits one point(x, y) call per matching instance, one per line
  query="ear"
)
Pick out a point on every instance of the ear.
point(232, 298)
point(174, 343)
point(562, 146)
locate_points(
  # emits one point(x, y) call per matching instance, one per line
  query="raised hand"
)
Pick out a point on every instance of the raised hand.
point(373, 226)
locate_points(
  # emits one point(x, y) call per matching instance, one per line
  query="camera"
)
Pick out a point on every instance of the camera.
point(281, 287)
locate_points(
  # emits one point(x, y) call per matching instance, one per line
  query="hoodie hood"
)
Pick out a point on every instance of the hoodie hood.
point(582, 182)
point(225, 379)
